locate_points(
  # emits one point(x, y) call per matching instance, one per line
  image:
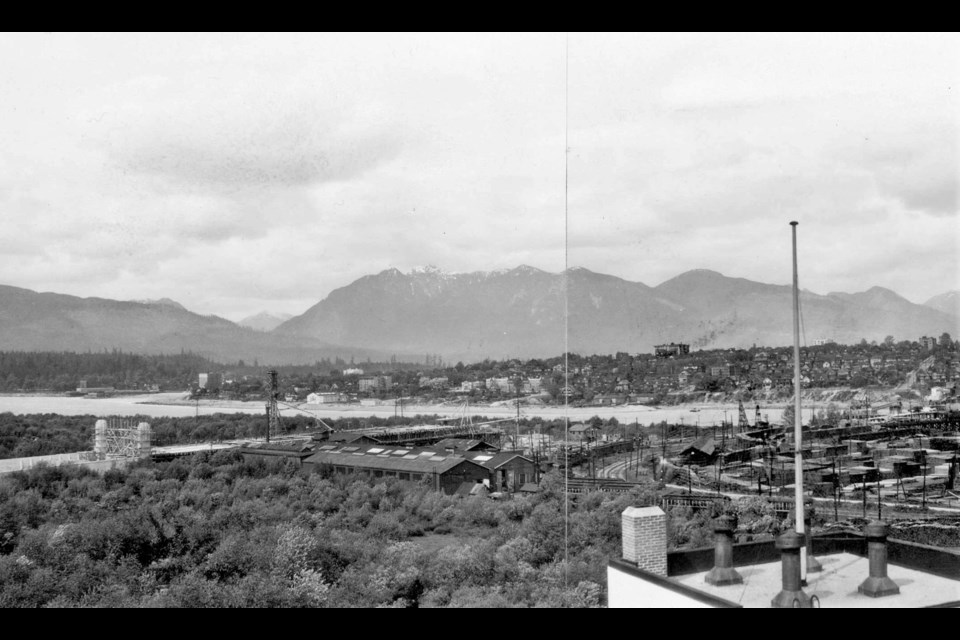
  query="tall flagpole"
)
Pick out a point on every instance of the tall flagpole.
point(797, 415)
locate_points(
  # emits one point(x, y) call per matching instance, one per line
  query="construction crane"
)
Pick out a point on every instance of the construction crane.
point(744, 424)
point(309, 413)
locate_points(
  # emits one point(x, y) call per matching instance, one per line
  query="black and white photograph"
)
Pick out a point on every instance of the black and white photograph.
point(479, 320)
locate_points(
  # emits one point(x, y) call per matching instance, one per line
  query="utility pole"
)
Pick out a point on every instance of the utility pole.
point(864, 495)
point(664, 439)
point(836, 487)
point(640, 458)
point(759, 486)
point(273, 412)
point(719, 464)
point(923, 461)
point(518, 416)
point(879, 501)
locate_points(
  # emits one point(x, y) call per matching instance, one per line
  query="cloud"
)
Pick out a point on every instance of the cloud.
point(263, 145)
point(237, 173)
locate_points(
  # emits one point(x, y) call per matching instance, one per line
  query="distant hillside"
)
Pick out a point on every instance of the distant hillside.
point(948, 302)
point(165, 302)
point(517, 312)
point(31, 321)
point(265, 321)
point(471, 316)
point(520, 313)
point(733, 312)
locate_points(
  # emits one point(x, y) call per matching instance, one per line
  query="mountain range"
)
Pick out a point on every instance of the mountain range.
point(948, 302)
point(265, 321)
point(519, 312)
point(31, 321)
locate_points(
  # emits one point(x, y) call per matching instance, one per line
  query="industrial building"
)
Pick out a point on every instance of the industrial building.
point(296, 451)
point(373, 384)
point(462, 445)
point(329, 397)
point(419, 435)
point(509, 470)
point(444, 472)
point(447, 467)
point(672, 349)
point(209, 381)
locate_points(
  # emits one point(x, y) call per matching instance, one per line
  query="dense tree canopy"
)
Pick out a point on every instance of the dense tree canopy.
point(214, 530)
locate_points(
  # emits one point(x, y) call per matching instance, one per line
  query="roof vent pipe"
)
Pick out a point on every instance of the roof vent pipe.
point(791, 596)
point(723, 572)
point(878, 584)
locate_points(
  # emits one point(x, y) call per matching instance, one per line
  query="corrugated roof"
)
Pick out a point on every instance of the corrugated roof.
point(704, 444)
point(347, 436)
point(497, 460)
point(418, 465)
point(581, 427)
point(460, 444)
point(297, 447)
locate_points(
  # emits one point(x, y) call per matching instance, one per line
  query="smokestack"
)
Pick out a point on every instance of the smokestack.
point(878, 584)
point(791, 596)
point(723, 572)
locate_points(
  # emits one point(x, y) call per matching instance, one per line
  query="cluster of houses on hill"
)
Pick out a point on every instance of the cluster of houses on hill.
point(644, 378)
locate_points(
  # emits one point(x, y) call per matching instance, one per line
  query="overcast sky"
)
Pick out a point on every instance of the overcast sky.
point(241, 173)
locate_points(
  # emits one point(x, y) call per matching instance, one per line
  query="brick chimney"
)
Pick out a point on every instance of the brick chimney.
point(644, 533)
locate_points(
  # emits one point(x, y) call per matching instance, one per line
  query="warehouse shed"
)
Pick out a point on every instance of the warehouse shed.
point(444, 472)
point(509, 470)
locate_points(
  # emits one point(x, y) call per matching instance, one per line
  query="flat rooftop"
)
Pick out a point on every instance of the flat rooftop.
point(835, 586)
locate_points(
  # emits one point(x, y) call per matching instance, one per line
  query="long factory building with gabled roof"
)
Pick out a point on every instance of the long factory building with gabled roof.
point(445, 469)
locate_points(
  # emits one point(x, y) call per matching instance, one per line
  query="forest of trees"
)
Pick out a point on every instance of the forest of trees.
point(213, 530)
point(63, 371)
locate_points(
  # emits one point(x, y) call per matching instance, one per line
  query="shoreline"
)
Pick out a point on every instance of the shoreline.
point(696, 412)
